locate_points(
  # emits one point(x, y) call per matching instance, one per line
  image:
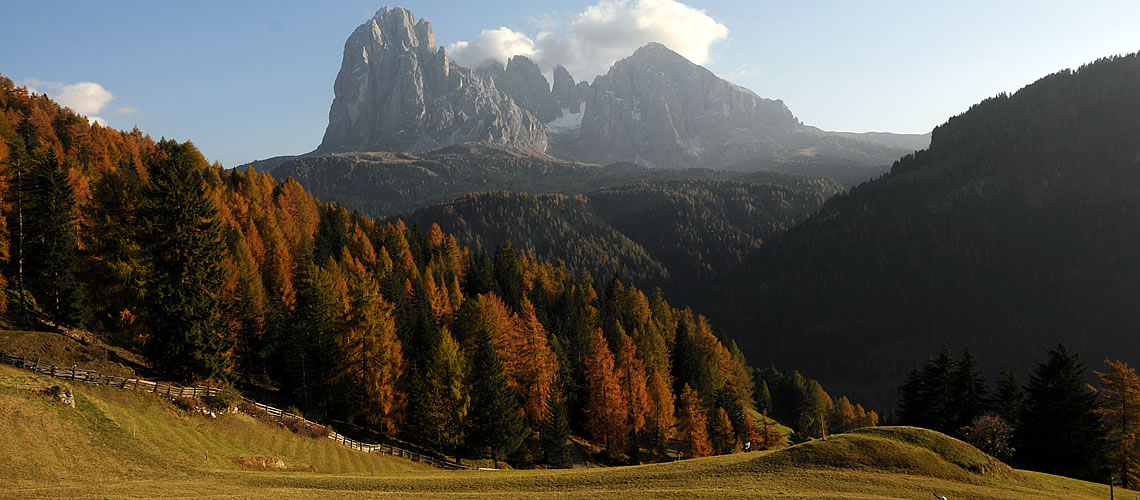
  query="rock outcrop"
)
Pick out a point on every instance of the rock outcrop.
point(657, 108)
point(525, 84)
point(568, 94)
point(396, 91)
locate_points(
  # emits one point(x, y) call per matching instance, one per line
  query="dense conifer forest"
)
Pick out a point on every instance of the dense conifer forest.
point(668, 234)
point(229, 277)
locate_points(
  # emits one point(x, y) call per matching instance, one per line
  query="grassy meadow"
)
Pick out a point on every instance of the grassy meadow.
point(120, 443)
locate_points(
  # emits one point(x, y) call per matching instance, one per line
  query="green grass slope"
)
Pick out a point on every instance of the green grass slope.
point(118, 443)
point(120, 435)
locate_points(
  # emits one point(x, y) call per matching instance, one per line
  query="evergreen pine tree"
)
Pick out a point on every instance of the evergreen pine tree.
point(495, 426)
point(556, 433)
point(51, 246)
point(1060, 432)
point(969, 397)
point(763, 396)
point(311, 349)
point(1009, 398)
point(911, 399)
point(184, 244)
point(938, 388)
point(111, 268)
point(446, 400)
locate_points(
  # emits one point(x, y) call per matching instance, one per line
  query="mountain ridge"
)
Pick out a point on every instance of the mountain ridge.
point(1009, 234)
point(396, 91)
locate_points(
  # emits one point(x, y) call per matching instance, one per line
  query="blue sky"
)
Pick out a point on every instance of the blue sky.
point(248, 80)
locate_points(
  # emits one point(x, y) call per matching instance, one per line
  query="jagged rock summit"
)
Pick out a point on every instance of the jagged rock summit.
point(396, 91)
point(657, 108)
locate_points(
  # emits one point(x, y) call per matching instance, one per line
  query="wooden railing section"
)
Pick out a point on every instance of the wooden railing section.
point(176, 391)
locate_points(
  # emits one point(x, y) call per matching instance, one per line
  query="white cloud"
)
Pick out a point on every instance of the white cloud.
point(496, 45)
point(592, 40)
point(127, 110)
point(83, 97)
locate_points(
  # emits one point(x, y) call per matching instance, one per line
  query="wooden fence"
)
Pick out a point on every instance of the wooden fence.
point(93, 377)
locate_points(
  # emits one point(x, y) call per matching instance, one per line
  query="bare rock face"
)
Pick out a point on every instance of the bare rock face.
point(396, 91)
point(657, 108)
point(567, 93)
point(529, 89)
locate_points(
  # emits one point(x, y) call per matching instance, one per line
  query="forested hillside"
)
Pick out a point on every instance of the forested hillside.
point(233, 277)
point(390, 184)
point(1014, 231)
point(663, 233)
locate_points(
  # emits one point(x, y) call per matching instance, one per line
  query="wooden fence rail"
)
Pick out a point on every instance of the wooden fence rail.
point(137, 384)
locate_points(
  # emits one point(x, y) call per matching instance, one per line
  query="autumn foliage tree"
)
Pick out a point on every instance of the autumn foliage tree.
point(372, 356)
point(530, 362)
point(660, 416)
point(692, 425)
point(631, 380)
point(606, 414)
point(1120, 407)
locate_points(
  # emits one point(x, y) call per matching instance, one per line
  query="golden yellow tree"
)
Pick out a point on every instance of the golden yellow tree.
point(605, 409)
point(1120, 406)
point(692, 425)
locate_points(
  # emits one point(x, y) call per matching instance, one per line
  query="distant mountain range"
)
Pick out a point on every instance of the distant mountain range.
point(397, 92)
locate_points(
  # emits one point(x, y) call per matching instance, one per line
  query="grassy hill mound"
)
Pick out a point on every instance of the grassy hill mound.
point(907, 450)
point(114, 434)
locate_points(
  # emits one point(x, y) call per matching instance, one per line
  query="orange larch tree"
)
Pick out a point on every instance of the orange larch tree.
point(605, 410)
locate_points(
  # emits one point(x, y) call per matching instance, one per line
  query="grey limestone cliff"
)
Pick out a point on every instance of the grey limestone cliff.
point(657, 108)
point(396, 91)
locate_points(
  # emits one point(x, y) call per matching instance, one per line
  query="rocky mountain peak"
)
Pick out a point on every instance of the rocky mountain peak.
point(397, 92)
point(566, 92)
point(530, 90)
point(659, 109)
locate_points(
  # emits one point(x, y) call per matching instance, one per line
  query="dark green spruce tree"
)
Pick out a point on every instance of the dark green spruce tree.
point(556, 432)
point(51, 247)
point(969, 398)
point(495, 424)
point(1060, 433)
point(1009, 397)
point(183, 239)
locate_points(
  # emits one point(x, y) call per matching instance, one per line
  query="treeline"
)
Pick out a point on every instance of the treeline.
point(1056, 422)
point(803, 404)
point(232, 277)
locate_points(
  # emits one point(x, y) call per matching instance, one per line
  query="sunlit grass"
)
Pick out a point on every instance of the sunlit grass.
point(119, 443)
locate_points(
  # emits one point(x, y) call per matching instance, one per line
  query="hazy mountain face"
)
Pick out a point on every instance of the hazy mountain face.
point(397, 92)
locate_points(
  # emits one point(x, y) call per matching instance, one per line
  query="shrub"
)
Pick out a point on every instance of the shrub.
point(187, 404)
point(306, 429)
point(226, 398)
